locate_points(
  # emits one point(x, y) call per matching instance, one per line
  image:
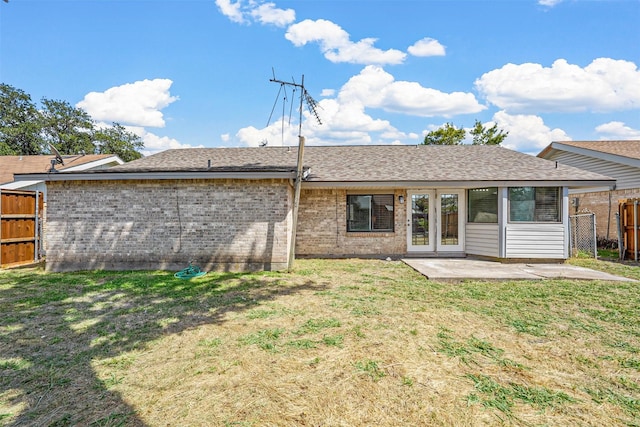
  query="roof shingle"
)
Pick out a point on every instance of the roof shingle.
point(10, 165)
point(366, 163)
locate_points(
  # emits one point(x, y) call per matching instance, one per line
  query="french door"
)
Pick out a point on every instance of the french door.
point(435, 221)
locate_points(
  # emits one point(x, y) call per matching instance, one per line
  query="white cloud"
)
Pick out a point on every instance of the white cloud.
point(375, 88)
point(549, 3)
point(137, 104)
point(342, 123)
point(268, 13)
point(265, 13)
point(617, 130)
point(336, 45)
point(274, 135)
point(604, 85)
point(427, 47)
point(154, 143)
point(231, 10)
point(225, 137)
point(345, 119)
point(527, 133)
point(327, 92)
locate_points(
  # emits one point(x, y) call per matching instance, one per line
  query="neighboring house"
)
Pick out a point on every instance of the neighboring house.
point(232, 208)
point(11, 165)
point(617, 159)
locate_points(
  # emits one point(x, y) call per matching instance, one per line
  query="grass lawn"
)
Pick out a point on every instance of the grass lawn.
point(335, 343)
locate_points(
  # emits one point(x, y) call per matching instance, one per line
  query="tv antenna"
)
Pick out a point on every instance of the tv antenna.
point(313, 108)
point(57, 161)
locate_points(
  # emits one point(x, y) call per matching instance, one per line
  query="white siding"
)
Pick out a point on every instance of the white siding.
point(482, 239)
point(535, 241)
point(626, 176)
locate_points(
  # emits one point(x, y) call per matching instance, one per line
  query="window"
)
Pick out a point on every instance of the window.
point(483, 205)
point(534, 204)
point(373, 212)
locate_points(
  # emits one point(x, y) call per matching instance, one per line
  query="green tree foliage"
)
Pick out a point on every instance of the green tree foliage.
point(487, 136)
point(451, 135)
point(117, 139)
point(68, 128)
point(19, 123)
point(446, 135)
point(26, 130)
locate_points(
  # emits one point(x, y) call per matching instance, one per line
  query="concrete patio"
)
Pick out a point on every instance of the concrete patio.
point(455, 269)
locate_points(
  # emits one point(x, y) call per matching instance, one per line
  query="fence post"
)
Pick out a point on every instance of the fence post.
point(595, 238)
point(621, 248)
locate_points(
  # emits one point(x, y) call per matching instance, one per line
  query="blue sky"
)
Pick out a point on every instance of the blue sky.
point(183, 73)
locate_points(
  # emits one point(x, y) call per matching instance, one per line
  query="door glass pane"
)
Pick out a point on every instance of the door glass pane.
point(449, 219)
point(420, 219)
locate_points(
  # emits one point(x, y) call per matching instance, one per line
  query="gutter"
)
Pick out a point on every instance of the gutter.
point(607, 184)
point(128, 176)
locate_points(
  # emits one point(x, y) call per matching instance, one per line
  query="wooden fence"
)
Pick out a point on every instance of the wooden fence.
point(629, 210)
point(21, 214)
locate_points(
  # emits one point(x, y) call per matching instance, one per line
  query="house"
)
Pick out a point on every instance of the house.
point(232, 208)
point(617, 159)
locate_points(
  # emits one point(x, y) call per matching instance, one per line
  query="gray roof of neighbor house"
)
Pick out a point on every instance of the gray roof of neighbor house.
point(10, 165)
point(409, 165)
point(629, 149)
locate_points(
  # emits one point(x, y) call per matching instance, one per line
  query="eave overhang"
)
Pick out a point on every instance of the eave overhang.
point(588, 152)
point(129, 176)
point(459, 184)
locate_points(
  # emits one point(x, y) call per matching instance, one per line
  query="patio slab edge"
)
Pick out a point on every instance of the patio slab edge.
point(457, 269)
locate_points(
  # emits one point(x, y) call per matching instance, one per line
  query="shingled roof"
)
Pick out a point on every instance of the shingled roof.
point(10, 165)
point(366, 163)
point(357, 165)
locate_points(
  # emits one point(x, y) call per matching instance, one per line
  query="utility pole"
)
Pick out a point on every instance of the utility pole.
point(300, 167)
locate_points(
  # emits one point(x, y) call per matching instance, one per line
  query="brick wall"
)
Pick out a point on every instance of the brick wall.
point(322, 228)
point(219, 224)
point(598, 203)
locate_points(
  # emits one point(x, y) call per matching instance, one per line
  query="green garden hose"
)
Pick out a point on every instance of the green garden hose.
point(190, 272)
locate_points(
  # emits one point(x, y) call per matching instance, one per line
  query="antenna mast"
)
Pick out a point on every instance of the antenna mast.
point(304, 96)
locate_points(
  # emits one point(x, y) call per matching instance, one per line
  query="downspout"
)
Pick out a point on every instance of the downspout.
point(609, 216)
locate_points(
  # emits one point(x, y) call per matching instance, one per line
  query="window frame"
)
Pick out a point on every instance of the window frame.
point(370, 226)
point(540, 206)
point(471, 211)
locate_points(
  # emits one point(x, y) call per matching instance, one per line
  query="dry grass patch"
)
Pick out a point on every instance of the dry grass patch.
point(335, 343)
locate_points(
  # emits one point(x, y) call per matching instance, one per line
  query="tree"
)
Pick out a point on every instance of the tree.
point(20, 125)
point(68, 128)
point(487, 136)
point(117, 140)
point(24, 130)
point(446, 135)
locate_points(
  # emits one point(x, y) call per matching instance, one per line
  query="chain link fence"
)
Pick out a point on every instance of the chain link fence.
point(582, 233)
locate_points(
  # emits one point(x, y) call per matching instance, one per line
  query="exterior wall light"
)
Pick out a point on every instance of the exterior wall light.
point(401, 199)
